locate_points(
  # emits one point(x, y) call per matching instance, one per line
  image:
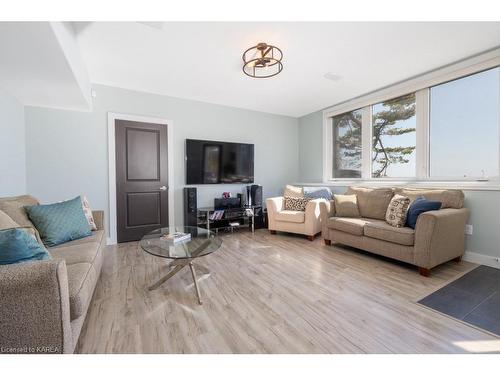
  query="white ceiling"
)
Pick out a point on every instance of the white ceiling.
point(40, 64)
point(51, 64)
point(202, 61)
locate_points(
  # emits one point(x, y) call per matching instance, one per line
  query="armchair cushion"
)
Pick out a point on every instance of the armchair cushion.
point(291, 216)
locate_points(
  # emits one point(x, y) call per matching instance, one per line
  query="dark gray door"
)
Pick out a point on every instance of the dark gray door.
point(141, 178)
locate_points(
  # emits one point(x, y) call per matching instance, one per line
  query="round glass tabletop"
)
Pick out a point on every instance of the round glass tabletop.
point(180, 242)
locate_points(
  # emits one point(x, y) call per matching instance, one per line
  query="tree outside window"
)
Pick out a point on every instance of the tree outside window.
point(394, 137)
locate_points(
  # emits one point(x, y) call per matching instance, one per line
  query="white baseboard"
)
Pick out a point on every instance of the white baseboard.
point(486, 260)
point(109, 241)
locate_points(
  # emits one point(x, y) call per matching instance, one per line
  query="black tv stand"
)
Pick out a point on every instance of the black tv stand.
point(246, 216)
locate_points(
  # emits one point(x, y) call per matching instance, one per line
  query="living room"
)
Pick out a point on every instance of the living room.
point(246, 187)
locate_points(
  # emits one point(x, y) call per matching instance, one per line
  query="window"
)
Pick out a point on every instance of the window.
point(430, 130)
point(394, 137)
point(464, 126)
point(346, 130)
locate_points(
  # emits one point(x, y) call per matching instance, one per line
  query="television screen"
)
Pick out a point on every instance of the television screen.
point(211, 162)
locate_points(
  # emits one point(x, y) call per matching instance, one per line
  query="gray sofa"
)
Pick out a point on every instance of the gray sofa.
point(44, 303)
point(437, 238)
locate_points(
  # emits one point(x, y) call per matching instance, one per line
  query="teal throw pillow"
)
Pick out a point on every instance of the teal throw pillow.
point(59, 222)
point(19, 245)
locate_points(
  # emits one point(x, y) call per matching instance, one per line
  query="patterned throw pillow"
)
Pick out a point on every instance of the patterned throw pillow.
point(59, 222)
point(88, 212)
point(295, 204)
point(397, 211)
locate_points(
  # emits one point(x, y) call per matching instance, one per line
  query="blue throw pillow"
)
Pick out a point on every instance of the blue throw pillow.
point(59, 222)
point(18, 245)
point(419, 206)
point(317, 192)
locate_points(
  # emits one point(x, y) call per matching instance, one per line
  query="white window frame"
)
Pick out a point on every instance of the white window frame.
point(421, 87)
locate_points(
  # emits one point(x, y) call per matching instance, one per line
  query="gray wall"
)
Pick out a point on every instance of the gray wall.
point(484, 205)
point(67, 151)
point(310, 150)
point(12, 147)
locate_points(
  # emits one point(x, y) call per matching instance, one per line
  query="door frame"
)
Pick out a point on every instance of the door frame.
point(112, 116)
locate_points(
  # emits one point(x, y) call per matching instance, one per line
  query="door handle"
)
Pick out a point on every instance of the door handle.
point(163, 188)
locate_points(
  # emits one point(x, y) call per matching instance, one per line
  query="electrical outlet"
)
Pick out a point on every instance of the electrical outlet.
point(469, 229)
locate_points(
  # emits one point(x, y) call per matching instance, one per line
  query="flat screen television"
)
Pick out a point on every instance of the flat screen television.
point(212, 162)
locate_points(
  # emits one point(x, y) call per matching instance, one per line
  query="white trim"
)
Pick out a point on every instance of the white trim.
point(366, 139)
point(112, 239)
point(462, 185)
point(487, 260)
point(327, 148)
point(422, 127)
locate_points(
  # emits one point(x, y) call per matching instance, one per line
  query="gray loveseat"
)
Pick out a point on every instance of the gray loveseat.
point(44, 303)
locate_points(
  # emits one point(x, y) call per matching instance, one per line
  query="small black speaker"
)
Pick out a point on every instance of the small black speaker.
point(248, 196)
point(243, 200)
point(190, 207)
point(256, 194)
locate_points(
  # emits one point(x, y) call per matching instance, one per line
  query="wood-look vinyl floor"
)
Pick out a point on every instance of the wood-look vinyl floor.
point(273, 294)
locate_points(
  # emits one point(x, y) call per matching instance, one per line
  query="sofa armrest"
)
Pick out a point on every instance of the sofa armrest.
point(98, 219)
point(439, 236)
point(327, 210)
point(312, 217)
point(34, 308)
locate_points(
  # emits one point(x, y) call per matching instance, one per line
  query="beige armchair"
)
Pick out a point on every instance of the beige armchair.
point(301, 222)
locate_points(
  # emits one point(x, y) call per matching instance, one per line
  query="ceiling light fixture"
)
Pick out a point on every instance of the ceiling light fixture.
point(262, 61)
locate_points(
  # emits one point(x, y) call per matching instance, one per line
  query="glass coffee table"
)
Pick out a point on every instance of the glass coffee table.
point(201, 242)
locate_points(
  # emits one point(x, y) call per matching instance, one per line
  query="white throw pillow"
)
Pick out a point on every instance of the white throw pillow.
point(293, 191)
point(88, 212)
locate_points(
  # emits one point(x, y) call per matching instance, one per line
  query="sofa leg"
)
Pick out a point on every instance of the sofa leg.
point(424, 271)
point(272, 231)
point(328, 242)
point(457, 259)
point(310, 238)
